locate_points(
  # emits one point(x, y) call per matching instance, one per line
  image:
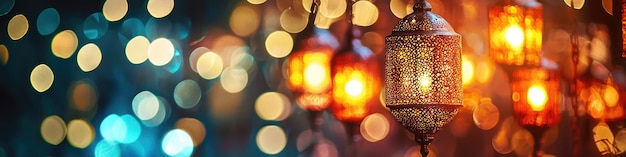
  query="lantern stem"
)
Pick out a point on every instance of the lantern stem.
point(353, 136)
point(421, 6)
point(537, 132)
point(424, 140)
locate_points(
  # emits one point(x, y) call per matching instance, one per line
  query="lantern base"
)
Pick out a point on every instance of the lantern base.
point(424, 119)
point(537, 132)
point(424, 140)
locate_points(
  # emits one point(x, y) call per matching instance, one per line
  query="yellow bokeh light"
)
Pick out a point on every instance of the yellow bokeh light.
point(137, 49)
point(398, 8)
point(514, 36)
point(244, 20)
point(53, 130)
point(272, 106)
point(80, 133)
point(234, 79)
point(577, 3)
point(195, 55)
point(332, 8)
point(365, 13)
point(89, 57)
point(375, 127)
point(4, 54)
point(279, 44)
point(604, 136)
point(354, 87)
point(292, 21)
point(194, 128)
point(312, 74)
point(64, 44)
point(271, 139)
point(537, 97)
point(160, 51)
point(486, 115)
point(209, 65)
point(256, 1)
point(83, 96)
point(41, 78)
point(611, 96)
point(18, 26)
point(468, 70)
point(114, 10)
point(160, 8)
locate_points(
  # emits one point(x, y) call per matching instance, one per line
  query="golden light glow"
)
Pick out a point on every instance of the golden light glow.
point(537, 97)
point(468, 70)
point(64, 44)
point(312, 73)
point(514, 36)
point(194, 56)
point(53, 130)
point(209, 65)
point(365, 13)
point(272, 106)
point(17, 27)
point(486, 115)
point(577, 3)
point(354, 88)
point(398, 8)
point(41, 78)
point(160, 8)
point(332, 8)
point(80, 133)
point(425, 82)
point(375, 127)
point(256, 1)
point(292, 21)
point(271, 139)
point(137, 49)
point(611, 96)
point(160, 51)
point(604, 138)
point(194, 128)
point(4, 54)
point(244, 20)
point(279, 44)
point(114, 10)
point(89, 57)
point(234, 79)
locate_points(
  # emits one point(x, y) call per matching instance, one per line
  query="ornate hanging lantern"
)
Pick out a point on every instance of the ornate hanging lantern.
point(515, 33)
point(423, 73)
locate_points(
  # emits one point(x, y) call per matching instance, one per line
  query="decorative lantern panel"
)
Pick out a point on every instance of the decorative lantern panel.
point(515, 33)
point(536, 97)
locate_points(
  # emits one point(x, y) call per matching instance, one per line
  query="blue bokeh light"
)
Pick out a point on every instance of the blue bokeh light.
point(95, 26)
point(6, 6)
point(106, 127)
point(131, 28)
point(132, 132)
point(48, 21)
point(156, 28)
point(177, 143)
point(106, 148)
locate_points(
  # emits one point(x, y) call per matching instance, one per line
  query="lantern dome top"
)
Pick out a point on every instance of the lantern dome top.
point(422, 21)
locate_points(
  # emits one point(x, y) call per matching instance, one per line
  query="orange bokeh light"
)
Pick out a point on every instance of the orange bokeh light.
point(515, 33)
point(308, 73)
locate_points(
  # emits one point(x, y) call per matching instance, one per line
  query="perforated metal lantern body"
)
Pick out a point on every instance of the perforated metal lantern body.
point(424, 88)
point(535, 94)
point(515, 33)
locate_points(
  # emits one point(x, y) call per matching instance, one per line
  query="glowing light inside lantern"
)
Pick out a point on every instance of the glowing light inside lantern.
point(514, 36)
point(537, 97)
point(354, 87)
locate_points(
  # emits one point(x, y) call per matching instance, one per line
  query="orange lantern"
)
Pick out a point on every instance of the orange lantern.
point(308, 68)
point(604, 101)
point(515, 33)
point(356, 82)
point(536, 97)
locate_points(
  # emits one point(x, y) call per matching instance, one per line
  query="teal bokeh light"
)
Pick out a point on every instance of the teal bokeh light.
point(48, 21)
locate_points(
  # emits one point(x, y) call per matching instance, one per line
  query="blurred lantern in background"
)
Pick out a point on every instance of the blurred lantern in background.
point(423, 73)
point(602, 100)
point(515, 33)
point(535, 94)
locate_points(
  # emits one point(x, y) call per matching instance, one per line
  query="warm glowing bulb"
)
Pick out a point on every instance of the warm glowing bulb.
point(354, 88)
point(313, 74)
point(468, 70)
point(514, 36)
point(611, 96)
point(424, 83)
point(537, 97)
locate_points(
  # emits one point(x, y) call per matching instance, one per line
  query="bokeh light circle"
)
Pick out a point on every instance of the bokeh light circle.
point(4, 55)
point(279, 44)
point(161, 114)
point(106, 127)
point(89, 57)
point(486, 115)
point(187, 94)
point(177, 143)
point(145, 105)
point(137, 49)
point(131, 27)
point(244, 20)
point(80, 133)
point(126, 129)
point(292, 21)
point(6, 6)
point(106, 148)
point(578, 4)
point(64, 44)
point(95, 26)
point(17, 27)
point(195, 55)
point(365, 13)
point(53, 129)
point(160, 8)
point(271, 139)
point(114, 10)
point(41, 78)
point(160, 51)
point(48, 21)
point(332, 8)
point(610, 96)
point(83, 96)
point(194, 128)
point(256, 1)
point(234, 79)
point(209, 65)
point(272, 106)
point(375, 127)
